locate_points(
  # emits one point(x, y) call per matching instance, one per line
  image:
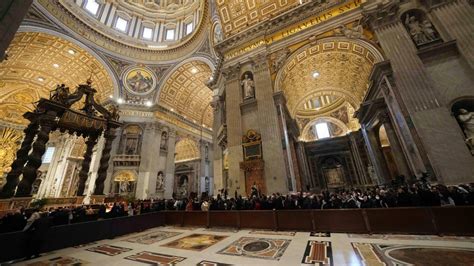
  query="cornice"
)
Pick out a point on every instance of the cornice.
point(285, 19)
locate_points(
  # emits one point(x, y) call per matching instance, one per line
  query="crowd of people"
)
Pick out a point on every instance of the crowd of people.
point(416, 195)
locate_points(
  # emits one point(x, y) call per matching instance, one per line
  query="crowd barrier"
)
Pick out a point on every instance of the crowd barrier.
point(436, 220)
point(58, 237)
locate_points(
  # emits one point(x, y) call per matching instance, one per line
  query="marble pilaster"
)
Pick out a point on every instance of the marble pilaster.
point(170, 166)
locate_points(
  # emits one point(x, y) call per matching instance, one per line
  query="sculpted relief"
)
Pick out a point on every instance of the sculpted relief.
point(420, 28)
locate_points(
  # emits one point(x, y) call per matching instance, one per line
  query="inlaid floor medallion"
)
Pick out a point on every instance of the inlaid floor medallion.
point(262, 248)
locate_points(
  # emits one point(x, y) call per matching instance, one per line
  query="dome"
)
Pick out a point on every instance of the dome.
point(135, 29)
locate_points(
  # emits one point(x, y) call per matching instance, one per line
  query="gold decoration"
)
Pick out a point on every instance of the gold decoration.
point(186, 93)
point(186, 150)
point(9, 142)
point(38, 62)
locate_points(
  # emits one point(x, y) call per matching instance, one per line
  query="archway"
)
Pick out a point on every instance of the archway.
point(185, 92)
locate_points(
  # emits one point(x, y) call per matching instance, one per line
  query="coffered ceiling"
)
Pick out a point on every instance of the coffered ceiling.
point(36, 63)
point(237, 15)
point(185, 92)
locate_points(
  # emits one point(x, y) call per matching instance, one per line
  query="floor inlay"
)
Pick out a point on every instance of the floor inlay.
point(272, 233)
point(318, 253)
point(86, 245)
point(212, 263)
point(320, 234)
point(262, 248)
point(109, 250)
point(195, 242)
point(152, 237)
point(59, 261)
point(414, 237)
point(155, 258)
point(381, 254)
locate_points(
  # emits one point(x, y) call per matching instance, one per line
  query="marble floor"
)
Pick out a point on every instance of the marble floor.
point(220, 246)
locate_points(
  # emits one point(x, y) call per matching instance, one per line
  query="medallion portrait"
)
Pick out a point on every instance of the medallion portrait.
point(139, 80)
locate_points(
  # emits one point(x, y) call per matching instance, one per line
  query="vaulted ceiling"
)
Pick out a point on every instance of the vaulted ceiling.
point(185, 92)
point(37, 62)
point(327, 80)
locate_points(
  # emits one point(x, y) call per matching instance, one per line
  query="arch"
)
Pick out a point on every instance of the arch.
point(104, 63)
point(332, 64)
point(184, 90)
point(186, 150)
point(306, 130)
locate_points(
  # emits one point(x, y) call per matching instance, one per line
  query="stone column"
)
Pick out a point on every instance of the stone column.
point(430, 118)
point(148, 169)
point(93, 170)
point(110, 171)
point(47, 122)
point(8, 189)
point(395, 147)
point(359, 165)
point(57, 168)
point(169, 169)
point(233, 95)
point(86, 162)
point(109, 136)
point(376, 156)
point(12, 14)
point(454, 21)
point(275, 172)
point(217, 165)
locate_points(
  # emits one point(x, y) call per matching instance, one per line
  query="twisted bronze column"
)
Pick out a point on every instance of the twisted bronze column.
point(8, 189)
point(34, 159)
point(109, 136)
point(86, 163)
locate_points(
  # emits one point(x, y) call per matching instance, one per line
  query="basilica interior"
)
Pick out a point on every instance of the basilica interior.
point(241, 114)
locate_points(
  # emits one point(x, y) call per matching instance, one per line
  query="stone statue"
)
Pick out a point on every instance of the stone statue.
point(357, 32)
point(248, 86)
point(160, 180)
point(114, 112)
point(466, 119)
point(183, 189)
point(60, 94)
point(421, 33)
point(164, 140)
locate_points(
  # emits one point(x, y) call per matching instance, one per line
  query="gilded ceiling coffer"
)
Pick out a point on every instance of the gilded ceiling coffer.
point(53, 114)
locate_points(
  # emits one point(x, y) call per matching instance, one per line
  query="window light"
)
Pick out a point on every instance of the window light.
point(48, 155)
point(121, 24)
point(147, 33)
point(169, 34)
point(92, 6)
point(322, 130)
point(189, 28)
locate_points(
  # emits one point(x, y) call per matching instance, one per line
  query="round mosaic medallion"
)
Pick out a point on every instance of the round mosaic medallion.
point(139, 80)
point(256, 246)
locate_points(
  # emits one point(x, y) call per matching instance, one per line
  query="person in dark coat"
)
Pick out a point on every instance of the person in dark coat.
point(36, 230)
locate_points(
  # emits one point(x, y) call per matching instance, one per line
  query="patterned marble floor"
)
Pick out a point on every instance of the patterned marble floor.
point(222, 246)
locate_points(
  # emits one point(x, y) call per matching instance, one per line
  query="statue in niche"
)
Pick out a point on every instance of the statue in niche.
point(248, 86)
point(160, 181)
point(421, 32)
point(183, 187)
point(164, 140)
point(206, 152)
point(466, 119)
